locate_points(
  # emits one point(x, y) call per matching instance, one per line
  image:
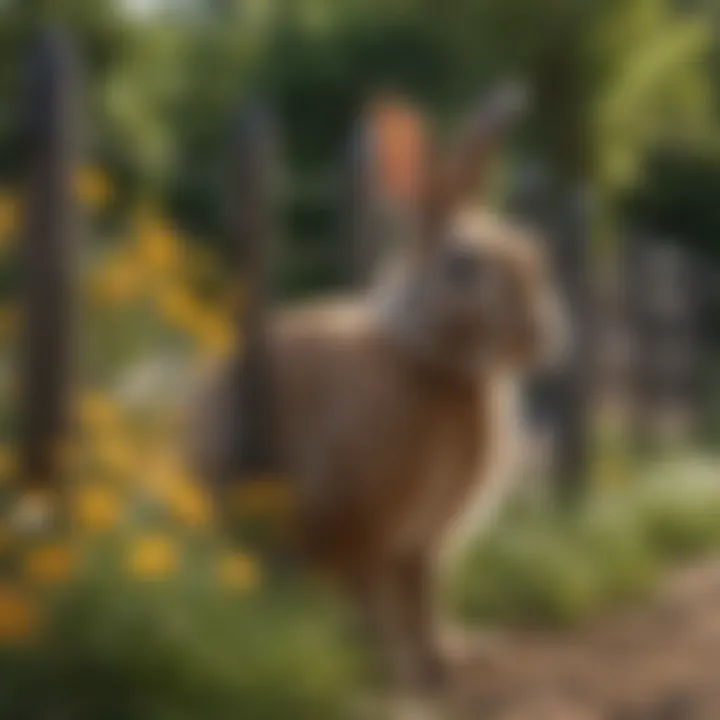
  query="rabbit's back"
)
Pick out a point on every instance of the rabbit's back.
point(384, 449)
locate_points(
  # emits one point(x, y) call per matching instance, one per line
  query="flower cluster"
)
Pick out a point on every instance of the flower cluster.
point(136, 495)
point(150, 262)
point(158, 267)
point(126, 484)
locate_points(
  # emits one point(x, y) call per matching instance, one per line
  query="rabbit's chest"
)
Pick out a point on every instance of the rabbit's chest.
point(449, 453)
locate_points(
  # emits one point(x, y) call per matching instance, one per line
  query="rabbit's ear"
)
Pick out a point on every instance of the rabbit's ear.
point(399, 144)
point(407, 168)
point(477, 142)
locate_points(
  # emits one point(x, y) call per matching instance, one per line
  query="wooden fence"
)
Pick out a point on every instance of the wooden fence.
point(659, 313)
point(665, 300)
point(642, 345)
point(52, 234)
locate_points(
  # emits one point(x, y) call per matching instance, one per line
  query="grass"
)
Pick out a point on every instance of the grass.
point(548, 567)
point(177, 645)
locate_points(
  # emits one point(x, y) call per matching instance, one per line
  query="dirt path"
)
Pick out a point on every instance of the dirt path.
point(658, 661)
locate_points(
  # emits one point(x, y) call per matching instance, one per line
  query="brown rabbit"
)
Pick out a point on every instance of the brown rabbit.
point(390, 404)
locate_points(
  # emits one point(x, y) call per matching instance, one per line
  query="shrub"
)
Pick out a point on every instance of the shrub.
point(179, 641)
point(135, 607)
point(547, 566)
point(680, 508)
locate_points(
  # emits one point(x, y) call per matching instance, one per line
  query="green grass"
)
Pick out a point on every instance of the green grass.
point(180, 648)
point(550, 567)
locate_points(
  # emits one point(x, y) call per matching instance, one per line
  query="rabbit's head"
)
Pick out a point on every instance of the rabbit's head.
point(466, 288)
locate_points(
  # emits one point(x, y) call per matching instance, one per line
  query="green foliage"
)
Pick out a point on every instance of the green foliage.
point(678, 197)
point(181, 648)
point(549, 569)
point(611, 79)
point(681, 516)
point(542, 566)
point(156, 615)
point(127, 74)
point(655, 83)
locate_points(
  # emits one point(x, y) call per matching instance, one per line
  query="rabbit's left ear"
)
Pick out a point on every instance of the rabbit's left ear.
point(477, 142)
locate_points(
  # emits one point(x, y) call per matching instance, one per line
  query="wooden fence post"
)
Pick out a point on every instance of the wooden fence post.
point(362, 204)
point(48, 260)
point(664, 305)
point(572, 230)
point(251, 176)
point(562, 214)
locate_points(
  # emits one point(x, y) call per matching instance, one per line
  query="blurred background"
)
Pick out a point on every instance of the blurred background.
point(618, 166)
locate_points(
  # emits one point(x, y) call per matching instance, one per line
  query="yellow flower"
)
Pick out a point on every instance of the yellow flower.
point(97, 508)
point(49, 564)
point(117, 282)
point(93, 187)
point(158, 248)
point(8, 463)
point(200, 266)
point(216, 336)
point(9, 217)
point(165, 472)
point(19, 615)
point(99, 411)
point(154, 556)
point(179, 307)
point(240, 571)
point(263, 496)
point(115, 454)
point(190, 504)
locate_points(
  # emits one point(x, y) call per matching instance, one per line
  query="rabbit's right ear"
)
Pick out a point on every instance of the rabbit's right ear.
point(477, 141)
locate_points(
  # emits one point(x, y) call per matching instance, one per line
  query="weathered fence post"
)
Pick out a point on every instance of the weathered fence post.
point(361, 214)
point(664, 307)
point(251, 176)
point(572, 238)
point(48, 260)
point(562, 215)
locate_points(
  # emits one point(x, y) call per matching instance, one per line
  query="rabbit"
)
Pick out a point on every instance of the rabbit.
point(393, 408)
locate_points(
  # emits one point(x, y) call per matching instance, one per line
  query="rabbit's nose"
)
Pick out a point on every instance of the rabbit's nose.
point(463, 266)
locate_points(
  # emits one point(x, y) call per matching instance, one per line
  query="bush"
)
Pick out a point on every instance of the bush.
point(545, 566)
point(134, 606)
point(519, 575)
point(680, 508)
point(165, 641)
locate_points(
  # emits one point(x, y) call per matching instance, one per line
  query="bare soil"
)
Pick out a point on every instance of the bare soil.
point(659, 660)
